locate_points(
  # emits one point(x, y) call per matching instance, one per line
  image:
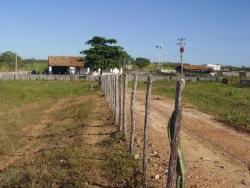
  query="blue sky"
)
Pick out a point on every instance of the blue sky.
point(216, 31)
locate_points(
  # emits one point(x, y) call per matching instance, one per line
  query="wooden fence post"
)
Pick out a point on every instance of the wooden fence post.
point(116, 101)
point(106, 85)
point(111, 94)
point(124, 118)
point(174, 134)
point(108, 93)
point(132, 110)
point(114, 96)
point(120, 102)
point(146, 126)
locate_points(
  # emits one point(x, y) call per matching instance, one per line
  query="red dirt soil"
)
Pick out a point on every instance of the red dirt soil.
point(216, 155)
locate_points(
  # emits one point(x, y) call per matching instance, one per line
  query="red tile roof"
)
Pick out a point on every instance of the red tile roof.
point(196, 67)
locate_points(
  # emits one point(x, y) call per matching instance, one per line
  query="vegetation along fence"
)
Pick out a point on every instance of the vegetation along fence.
point(144, 77)
point(28, 76)
point(115, 90)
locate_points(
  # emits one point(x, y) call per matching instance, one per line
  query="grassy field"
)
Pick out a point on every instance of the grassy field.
point(38, 67)
point(23, 103)
point(32, 66)
point(227, 103)
point(60, 155)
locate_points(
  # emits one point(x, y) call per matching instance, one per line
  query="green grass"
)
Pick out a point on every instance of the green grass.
point(6, 68)
point(17, 93)
point(227, 103)
point(61, 158)
point(62, 164)
point(120, 167)
point(38, 67)
point(24, 102)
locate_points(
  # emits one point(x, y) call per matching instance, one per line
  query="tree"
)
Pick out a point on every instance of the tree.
point(128, 59)
point(8, 60)
point(141, 62)
point(9, 57)
point(103, 53)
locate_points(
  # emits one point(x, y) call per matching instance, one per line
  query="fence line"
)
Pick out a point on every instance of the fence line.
point(25, 75)
point(28, 76)
point(143, 78)
point(114, 88)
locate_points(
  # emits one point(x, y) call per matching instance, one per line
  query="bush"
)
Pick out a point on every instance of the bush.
point(224, 81)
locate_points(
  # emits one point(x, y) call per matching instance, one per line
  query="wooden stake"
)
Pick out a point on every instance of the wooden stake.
point(117, 99)
point(109, 92)
point(132, 110)
point(120, 102)
point(114, 95)
point(175, 123)
point(146, 126)
point(124, 118)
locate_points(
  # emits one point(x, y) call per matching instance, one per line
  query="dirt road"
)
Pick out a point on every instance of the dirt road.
point(217, 156)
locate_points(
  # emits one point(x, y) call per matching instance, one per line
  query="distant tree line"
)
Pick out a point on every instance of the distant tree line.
point(233, 68)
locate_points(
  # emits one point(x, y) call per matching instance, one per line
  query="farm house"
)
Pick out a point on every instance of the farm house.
point(65, 65)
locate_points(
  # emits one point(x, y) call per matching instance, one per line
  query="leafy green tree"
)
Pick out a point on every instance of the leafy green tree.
point(104, 53)
point(128, 59)
point(8, 61)
point(141, 62)
point(9, 57)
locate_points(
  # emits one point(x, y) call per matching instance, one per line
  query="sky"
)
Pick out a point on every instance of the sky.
point(216, 31)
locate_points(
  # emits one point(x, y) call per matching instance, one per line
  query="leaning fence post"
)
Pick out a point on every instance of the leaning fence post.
point(124, 118)
point(176, 161)
point(146, 126)
point(132, 110)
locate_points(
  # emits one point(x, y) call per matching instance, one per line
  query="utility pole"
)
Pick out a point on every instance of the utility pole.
point(181, 43)
point(159, 47)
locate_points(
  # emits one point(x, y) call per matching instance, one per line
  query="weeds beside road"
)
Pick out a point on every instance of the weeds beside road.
point(227, 103)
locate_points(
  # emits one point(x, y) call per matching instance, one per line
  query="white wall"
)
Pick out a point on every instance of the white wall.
point(72, 70)
point(111, 71)
point(215, 67)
